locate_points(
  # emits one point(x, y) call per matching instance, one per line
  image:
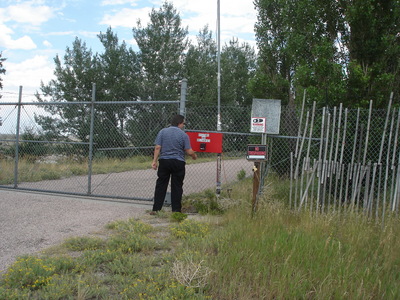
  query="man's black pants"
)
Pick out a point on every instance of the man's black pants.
point(174, 169)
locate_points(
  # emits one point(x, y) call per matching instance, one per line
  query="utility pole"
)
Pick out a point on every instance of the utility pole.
point(219, 157)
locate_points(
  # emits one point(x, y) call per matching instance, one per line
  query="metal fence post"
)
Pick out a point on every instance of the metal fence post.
point(182, 105)
point(17, 138)
point(91, 139)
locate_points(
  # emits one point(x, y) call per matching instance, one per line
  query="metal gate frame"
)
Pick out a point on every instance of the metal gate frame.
point(93, 103)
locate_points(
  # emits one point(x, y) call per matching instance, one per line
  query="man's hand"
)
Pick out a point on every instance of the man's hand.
point(191, 153)
point(157, 150)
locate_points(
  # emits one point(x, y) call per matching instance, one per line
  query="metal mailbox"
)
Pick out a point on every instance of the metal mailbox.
point(210, 142)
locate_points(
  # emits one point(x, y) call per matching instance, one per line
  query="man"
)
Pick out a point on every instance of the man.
point(171, 144)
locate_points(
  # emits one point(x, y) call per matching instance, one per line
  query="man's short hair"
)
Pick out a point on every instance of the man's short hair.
point(177, 119)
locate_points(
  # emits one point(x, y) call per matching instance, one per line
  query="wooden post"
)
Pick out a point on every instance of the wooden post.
point(256, 185)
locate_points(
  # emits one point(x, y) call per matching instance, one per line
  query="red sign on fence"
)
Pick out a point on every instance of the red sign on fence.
point(210, 142)
point(257, 152)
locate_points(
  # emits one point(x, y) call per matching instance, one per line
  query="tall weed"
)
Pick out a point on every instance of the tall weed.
point(280, 254)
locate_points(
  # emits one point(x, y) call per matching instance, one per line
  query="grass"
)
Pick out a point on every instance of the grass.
point(275, 253)
point(278, 255)
point(130, 263)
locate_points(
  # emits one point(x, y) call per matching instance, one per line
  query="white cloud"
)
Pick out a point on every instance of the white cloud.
point(208, 8)
point(88, 34)
point(19, 15)
point(6, 40)
point(237, 17)
point(119, 2)
point(60, 33)
point(127, 17)
point(131, 41)
point(47, 44)
point(27, 12)
point(28, 73)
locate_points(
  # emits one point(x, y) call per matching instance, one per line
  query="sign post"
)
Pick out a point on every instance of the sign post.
point(265, 119)
point(258, 154)
point(256, 185)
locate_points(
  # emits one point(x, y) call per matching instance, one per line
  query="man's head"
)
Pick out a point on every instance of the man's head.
point(177, 119)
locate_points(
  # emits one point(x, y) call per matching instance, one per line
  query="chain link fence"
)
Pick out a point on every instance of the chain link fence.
point(94, 148)
point(344, 159)
point(330, 157)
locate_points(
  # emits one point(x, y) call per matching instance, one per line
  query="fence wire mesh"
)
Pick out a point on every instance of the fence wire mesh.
point(331, 157)
point(59, 151)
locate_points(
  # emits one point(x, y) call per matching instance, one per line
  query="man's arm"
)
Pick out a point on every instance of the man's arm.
point(157, 150)
point(191, 153)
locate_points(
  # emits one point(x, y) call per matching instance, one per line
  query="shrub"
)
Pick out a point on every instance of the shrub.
point(178, 216)
point(241, 174)
point(84, 243)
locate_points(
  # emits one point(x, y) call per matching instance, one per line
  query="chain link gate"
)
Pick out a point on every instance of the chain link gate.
point(109, 156)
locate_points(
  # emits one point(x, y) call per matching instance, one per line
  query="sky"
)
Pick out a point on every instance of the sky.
point(33, 32)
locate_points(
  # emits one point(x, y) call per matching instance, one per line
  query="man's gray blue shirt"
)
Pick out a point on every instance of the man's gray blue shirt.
point(173, 141)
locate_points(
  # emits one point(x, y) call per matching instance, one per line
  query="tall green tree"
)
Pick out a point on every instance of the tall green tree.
point(2, 71)
point(340, 51)
point(73, 83)
point(117, 74)
point(296, 40)
point(201, 70)
point(238, 64)
point(162, 45)
point(121, 69)
point(119, 82)
point(373, 42)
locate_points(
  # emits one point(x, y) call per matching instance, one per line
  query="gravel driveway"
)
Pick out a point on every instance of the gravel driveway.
point(30, 222)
